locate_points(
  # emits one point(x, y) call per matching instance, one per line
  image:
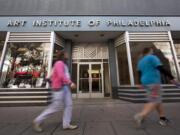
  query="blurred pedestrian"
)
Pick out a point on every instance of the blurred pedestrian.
point(149, 68)
point(61, 86)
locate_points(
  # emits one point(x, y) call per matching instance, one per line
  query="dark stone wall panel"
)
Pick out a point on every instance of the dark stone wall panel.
point(90, 7)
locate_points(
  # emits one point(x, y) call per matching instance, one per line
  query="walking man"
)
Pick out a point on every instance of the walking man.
point(149, 68)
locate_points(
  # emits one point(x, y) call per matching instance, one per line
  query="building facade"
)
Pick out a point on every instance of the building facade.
point(104, 40)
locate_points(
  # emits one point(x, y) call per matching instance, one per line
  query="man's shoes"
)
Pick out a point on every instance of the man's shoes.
point(70, 127)
point(164, 122)
point(138, 119)
point(37, 127)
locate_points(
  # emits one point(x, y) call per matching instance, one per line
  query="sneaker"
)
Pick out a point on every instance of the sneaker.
point(37, 127)
point(138, 119)
point(70, 127)
point(164, 122)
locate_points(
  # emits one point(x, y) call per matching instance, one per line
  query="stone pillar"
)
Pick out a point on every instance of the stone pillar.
point(113, 69)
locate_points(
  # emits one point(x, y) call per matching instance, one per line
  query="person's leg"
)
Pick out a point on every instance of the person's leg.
point(67, 109)
point(67, 106)
point(160, 110)
point(162, 118)
point(148, 107)
point(56, 105)
point(139, 117)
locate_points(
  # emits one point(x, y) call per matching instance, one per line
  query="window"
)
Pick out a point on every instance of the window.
point(1, 48)
point(25, 65)
point(177, 47)
point(123, 65)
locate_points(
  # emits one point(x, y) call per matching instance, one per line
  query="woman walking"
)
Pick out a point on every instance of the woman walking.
point(61, 84)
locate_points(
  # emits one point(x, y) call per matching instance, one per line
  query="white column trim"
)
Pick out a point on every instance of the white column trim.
point(129, 58)
point(52, 41)
point(117, 67)
point(174, 55)
point(4, 51)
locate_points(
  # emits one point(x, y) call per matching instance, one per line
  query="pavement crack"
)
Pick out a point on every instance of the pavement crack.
point(113, 128)
point(23, 131)
point(84, 127)
point(55, 129)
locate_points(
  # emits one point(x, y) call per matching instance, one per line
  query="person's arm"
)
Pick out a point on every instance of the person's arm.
point(140, 86)
point(165, 72)
point(168, 74)
point(139, 75)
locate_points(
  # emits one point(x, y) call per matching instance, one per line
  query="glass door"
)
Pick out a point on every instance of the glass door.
point(83, 83)
point(90, 82)
point(96, 75)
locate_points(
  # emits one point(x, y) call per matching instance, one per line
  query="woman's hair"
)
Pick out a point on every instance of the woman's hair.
point(146, 50)
point(60, 55)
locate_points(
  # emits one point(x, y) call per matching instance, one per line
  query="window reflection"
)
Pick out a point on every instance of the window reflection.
point(1, 48)
point(74, 75)
point(123, 65)
point(177, 47)
point(25, 65)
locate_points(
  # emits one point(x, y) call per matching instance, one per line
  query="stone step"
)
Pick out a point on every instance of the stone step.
point(169, 94)
point(23, 97)
point(35, 93)
point(18, 97)
point(24, 103)
point(143, 100)
point(137, 87)
point(143, 91)
point(22, 90)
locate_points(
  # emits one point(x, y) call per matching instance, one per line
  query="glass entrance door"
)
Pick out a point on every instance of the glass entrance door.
point(90, 82)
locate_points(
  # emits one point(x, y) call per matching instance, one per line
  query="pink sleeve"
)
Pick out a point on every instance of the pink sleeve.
point(59, 67)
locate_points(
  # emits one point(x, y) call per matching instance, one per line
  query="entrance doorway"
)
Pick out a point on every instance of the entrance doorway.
point(90, 70)
point(90, 82)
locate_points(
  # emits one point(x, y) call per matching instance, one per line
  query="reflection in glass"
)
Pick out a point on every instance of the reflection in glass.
point(123, 65)
point(96, 78)
point(25, 65)
point(84, 78)
point(161, 49)
point(107, 82)
point(1, 48)
point(74, 75)
point(177, 47)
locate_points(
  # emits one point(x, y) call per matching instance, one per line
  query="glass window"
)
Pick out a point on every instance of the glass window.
point(161, 49)
point(25, 65)
point(1, 48)
point(177, 47)
point(74, 75)
point(107, 82)
point(123, 65)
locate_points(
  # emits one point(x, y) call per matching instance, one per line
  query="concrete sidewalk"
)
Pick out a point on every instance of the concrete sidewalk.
point(94, 116)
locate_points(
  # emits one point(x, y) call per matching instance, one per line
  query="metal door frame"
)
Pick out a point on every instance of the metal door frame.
point(90, 94)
